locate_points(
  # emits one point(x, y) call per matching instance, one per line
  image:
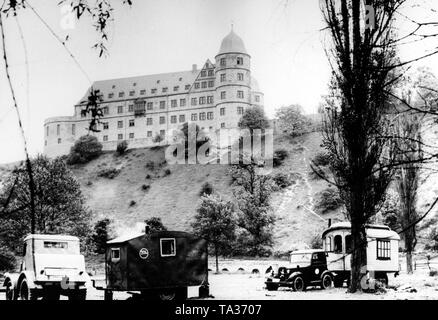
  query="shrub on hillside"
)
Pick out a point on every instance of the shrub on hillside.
point(327, 200)
point(167, 172)
point(279, 156)
point(122, 146)
point(86, 148)
point(282, 180)
point(321, 159)
point(155, 224)
point(145, 187)
point(109, 173)
point(150, 165)
point(206, 189)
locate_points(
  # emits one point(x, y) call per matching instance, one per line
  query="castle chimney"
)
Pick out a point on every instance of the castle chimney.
point(194, 68)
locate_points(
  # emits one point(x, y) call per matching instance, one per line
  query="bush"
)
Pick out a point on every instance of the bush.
point(279, 156)
point(109, 173)
point(167, 172)
point(122, 146)
point(132, 203)
point(206, 189)
point(321, 159)
point(282, 180)
point(145, 187)
point(327, 200)
point(148, 176)
point(155, 224)
point(7, 259)
point(85, 149)
point(158, 138)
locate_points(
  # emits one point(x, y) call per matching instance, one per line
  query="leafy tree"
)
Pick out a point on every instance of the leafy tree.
point(85, 149)
point(102, 233)
point(215, 222)
point(206, 189)
point(158, 138)
point(155, 224)
point(254, 118)
point(291, 120)
point(59, 203)
point(327, 200)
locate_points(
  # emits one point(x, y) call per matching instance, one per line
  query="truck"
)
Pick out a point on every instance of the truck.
point(155, 265)
point(306, 268)
point(51, 266)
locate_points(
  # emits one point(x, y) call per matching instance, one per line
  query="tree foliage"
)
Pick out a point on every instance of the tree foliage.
point(291, 120)
point(85, 149)
point(155, 224)
point(101, 234)
point(59, 203)
point(254, 118)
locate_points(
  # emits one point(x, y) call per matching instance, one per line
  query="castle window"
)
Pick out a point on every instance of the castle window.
point(204, 84)
point(223, 62)
point(223, 125)
point(257, 98)
point(194, 101)
point(173, 119)
point(203, 73)
point(162, 133)
point(196, 85)
point(223, 75)
point(59, 140)
point(120, 109)
point(164, 89)
point(162, 120)
point(121, 94)
point(58, 129)
point(222, 111)
point(209, 115)
point(223, 95)
point(211, 84)
point(131, 135)
point(182, 118)
point(182, 102)
point(194, 117)
point(132, 123)
point(120, 136)
point(240, 94)
point(239, 60)
point(210, 99)
point(240, 76)
point(202, 116)
point(131, 93)
point(143, 92)
point(105, 126)
point(201, 100)
point(83, 113)
point(105, 110)
point(162, 104)
point(187, 87)
point(119, 124)
point(239, 110)
point(110, 95)
point(176, 88)
point(173, 103)
point(149, 134)
point(149, 121)
point(47, 131)
point(153, 91)
point(210, 73)
point(73, 129)
point(150, 105)
point(131, 108)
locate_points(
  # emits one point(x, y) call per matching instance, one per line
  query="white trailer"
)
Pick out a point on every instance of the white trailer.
point(382, 252)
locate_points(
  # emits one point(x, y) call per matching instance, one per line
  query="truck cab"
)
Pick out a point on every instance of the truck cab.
point(51, 266)
point(306, 268)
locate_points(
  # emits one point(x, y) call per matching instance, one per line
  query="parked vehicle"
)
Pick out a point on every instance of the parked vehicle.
point(156, 265)
point(306, 268)
point(382, 252)
point(52, 266)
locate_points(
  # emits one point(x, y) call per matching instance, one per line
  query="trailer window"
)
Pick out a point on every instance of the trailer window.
point(328, 244)
point(338, 244)
point(115, 254)
point(167, 247)
point(348, 244)
point(383, 249)
point(57, 245)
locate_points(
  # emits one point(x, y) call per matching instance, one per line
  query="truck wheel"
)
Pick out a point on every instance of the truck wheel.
point(25, 292)
point(78, 295)
point(9, 291)
point(51, 295)
point(326, 281)
point(298, 284)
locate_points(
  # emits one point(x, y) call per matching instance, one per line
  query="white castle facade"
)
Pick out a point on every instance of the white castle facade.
point(137, 109)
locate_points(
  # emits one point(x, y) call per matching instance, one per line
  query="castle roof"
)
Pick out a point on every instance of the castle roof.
point(232, 43)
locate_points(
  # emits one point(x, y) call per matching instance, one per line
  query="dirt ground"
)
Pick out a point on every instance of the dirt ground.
point(234, 286)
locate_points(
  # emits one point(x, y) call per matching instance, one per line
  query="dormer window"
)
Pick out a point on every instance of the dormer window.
point(142, 92)
point(187, 87)
point(164, 89)
point(134, 84)
point(121, 94)
point(176, 88)
point(131, 93)
point(110, 95)
point(210, 73)
point(203, 73)
point(196, 85)
point(153, 91)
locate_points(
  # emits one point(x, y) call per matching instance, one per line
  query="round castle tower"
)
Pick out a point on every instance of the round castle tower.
point(233, 81)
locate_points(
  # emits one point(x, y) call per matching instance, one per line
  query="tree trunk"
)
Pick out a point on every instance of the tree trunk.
point(358, 256)
point(409, 267)
point(217, 258)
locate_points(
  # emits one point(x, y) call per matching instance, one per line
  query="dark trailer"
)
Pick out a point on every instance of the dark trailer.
point(156, 265)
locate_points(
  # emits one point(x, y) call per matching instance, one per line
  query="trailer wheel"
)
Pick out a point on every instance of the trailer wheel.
point(383, 278)
point(298, 284)
point(9, 291)
point(26, 293)
point(51, 295)
point(326, 281)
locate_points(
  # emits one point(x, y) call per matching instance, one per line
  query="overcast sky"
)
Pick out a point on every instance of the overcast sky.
point(283, 37)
